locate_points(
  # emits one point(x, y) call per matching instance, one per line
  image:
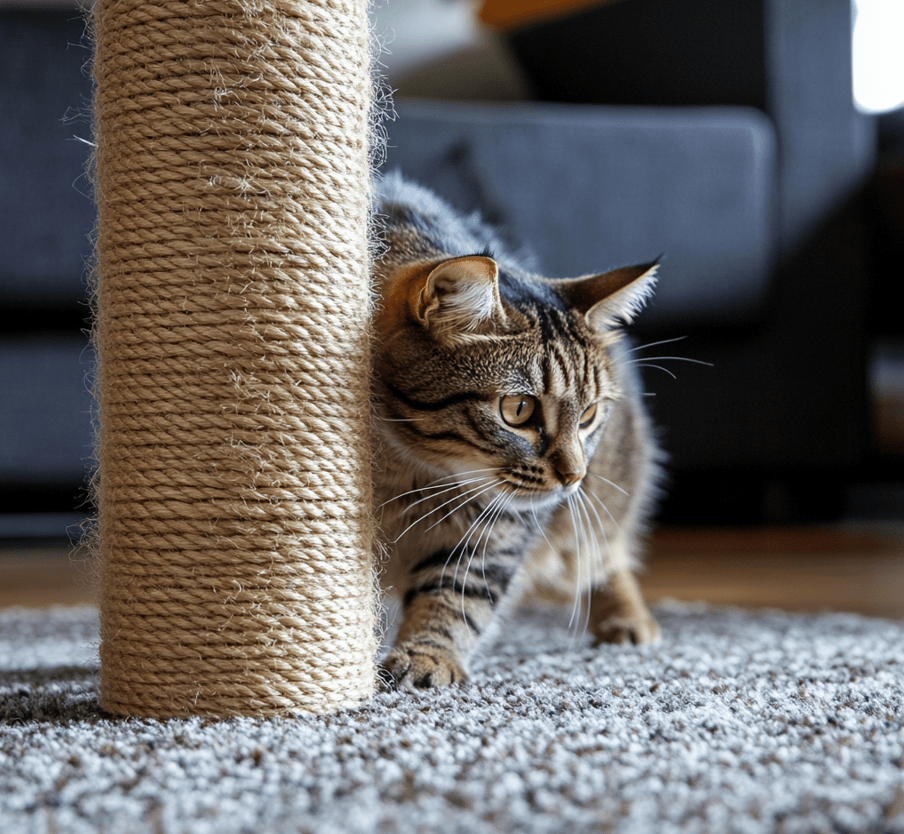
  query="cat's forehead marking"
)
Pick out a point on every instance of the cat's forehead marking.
point(556, 373)
point(568, 364)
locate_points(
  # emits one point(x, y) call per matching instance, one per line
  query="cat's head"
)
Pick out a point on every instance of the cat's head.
point(507, 380)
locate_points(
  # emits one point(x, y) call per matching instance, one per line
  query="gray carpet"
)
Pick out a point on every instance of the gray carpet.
point(737, 722)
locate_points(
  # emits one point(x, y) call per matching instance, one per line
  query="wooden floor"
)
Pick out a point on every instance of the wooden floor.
point(798, 569)
point(857, 569)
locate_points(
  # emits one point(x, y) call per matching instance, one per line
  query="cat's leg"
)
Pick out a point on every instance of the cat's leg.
point(618, 613)
point(450, 606)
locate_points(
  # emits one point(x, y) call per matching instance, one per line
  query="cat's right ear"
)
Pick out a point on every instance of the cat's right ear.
point(613, 298)
point(459, 296)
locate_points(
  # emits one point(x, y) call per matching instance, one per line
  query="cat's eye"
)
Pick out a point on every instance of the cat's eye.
point(518, 409)
point(589, 416)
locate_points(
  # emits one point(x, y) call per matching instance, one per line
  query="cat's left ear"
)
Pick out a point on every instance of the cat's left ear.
point(460, 295)
point(612, 298)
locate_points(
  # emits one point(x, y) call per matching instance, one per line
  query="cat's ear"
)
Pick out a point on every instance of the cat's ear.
point(460, 295)
point(612, 298)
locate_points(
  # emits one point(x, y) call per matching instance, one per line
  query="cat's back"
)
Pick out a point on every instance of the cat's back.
point(415, 223)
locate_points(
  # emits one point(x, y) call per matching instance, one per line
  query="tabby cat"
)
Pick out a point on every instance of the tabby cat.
point(514, 454)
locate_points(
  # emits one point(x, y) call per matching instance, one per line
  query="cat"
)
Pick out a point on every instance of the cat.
point(514, 455)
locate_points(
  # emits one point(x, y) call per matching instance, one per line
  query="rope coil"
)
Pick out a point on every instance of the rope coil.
point(232, 327)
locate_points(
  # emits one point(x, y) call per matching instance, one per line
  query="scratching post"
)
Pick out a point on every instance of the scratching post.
point(234, 527)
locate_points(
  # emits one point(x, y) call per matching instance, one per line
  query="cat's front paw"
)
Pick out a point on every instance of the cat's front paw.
point(639, 627)
point(413, 666)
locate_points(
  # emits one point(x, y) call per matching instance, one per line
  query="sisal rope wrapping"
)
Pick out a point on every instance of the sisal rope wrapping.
point(232, 308)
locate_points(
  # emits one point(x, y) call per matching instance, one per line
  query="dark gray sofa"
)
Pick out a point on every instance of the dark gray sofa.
point(47, 215)
point(743, 174)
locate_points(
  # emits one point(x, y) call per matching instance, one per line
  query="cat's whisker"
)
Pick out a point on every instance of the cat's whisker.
point(585, 497)
point(487, 534)
point(500, 510)
point(541, 527)
point(483, 526)
point(592, 550)
point(466, 472)
point(441, 483)
point(657, 367)
point(533, 512)
point(575, 606)
point(479, 490)
point(641, 359)
point(466, 537)
point(576, 601)
point(483, 519)
point(614, 485)
point(486, 518)
point(451, 476)
point(503, 506)
point(497, 508)
point(605, 510)
point(656, 344)
point(442, 489)
point(597, 553)
point(461, 544)
point(647, 362)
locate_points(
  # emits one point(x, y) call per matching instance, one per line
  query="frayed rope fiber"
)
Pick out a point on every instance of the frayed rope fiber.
point(235, 528)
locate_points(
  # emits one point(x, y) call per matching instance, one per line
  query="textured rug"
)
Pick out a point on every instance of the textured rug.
point(738, 722)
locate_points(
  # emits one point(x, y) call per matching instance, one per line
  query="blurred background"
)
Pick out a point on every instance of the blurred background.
point(759, 144)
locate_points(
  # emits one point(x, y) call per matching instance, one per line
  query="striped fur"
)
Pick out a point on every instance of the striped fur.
point(514, 454)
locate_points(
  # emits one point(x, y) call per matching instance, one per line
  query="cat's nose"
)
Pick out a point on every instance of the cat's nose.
point(569, 478)
point(569, 468)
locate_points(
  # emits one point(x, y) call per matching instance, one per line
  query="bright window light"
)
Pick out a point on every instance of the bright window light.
point(878, 55)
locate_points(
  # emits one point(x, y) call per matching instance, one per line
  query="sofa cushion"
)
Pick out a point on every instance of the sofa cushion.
point(46, 209)
point(587, 188)
point(45, 422)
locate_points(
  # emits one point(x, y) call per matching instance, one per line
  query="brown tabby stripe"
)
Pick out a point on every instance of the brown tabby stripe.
point(435, 405)
point(499, 576)
point(459, 589)
point(453, 436)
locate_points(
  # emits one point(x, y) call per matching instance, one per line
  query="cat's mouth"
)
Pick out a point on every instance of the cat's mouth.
point(526, 497)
